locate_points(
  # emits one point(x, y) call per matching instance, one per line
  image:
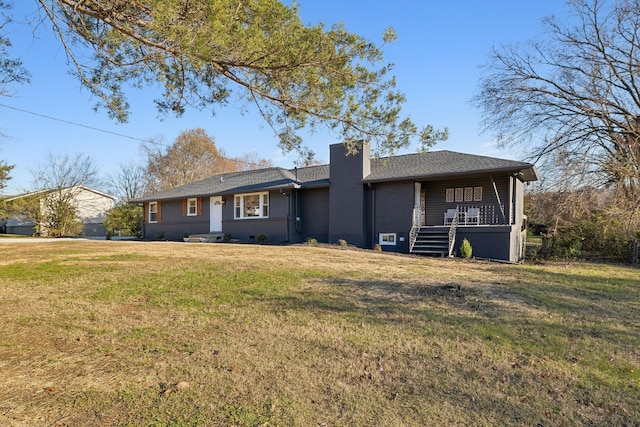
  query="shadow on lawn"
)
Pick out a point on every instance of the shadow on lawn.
point(554, 306)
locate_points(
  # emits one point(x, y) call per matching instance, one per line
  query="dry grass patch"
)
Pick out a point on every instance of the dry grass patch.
point(130, 333)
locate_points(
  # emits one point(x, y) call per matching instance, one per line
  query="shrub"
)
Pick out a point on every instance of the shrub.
point(262, 237)
point(377, 247)
point(311, 241)
point(566, 244)
point(465, 249)
point(342, 242)
point(125, 217)
point(160, 235)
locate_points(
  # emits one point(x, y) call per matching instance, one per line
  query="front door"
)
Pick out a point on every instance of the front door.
point(215, 222)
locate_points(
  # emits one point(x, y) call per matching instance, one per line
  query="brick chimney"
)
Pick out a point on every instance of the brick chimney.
point(346, 194)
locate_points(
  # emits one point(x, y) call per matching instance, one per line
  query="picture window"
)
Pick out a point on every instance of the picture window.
point(255, 205)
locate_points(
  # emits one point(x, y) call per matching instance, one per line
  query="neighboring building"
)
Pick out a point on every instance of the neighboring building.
point(91, 207)
point(407, 203)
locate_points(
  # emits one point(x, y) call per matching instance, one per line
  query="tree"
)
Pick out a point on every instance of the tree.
point(573, 98)
point(203, 52)
point(124, 218)
point(11, 69)
point(193, 156)
point(4, 177)
point(128, 183)
point(306, 157)
point(59, 171)
point(5, 169)
point(251, 161)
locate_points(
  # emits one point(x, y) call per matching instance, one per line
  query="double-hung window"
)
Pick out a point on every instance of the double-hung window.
point(192, 207)
point(153, 212)
point(254, 205)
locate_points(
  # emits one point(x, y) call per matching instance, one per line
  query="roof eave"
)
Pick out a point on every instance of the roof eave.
point(216, 193)
point(527, 173)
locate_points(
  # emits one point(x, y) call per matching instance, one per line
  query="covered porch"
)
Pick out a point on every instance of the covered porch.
point(482, 209)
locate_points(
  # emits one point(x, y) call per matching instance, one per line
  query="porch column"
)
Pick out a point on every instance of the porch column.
point(417, 202)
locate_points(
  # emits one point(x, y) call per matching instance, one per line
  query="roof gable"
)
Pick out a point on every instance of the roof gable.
point(79, 187)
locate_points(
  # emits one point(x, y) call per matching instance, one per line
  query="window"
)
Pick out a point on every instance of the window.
point(459, 194)
point(254, 205)
point(192, 207)
point(153, 212)
point(477, 194)
point(387, 238)
point(468, 194)
point(449, 195)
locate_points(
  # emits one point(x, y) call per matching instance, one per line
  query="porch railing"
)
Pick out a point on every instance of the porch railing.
point(415, 227)
point(452, 231)
point(473, 214)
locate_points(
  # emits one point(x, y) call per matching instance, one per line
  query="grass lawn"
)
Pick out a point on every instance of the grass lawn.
point(159, 334)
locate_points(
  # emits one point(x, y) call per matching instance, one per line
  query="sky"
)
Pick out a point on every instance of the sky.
point(440, 48)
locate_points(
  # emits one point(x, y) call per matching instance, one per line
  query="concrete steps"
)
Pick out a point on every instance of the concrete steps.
point(205, 238)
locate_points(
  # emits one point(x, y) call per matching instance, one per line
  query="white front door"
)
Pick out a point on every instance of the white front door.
point(215, 222)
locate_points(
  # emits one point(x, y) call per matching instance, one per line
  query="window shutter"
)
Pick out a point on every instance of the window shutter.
point(199, 204)
point(146, 212)
point(184, 207)
point(159, 212)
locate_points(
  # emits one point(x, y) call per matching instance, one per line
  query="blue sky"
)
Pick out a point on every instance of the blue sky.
point(441, 46)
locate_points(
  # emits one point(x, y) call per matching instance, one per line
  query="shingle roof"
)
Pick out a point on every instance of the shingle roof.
point(434, 164)
point(246, 182)
point(427, 165)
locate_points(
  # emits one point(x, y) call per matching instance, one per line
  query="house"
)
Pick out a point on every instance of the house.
point(423, 203)
point(90, 207)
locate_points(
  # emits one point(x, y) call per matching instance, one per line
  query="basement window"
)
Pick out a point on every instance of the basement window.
point(387, 239)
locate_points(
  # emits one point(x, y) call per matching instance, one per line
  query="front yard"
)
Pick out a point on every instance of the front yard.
point(133, 333)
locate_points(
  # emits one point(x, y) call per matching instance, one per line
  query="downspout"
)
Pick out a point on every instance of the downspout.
point(288, 222)
point(373, 214)
point(296, 208)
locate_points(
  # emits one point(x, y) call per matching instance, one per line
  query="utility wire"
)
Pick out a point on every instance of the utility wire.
point(147, 141)
point(78, 124)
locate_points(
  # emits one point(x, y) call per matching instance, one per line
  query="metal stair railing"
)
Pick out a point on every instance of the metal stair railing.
point(452, 232)
point(415, 228)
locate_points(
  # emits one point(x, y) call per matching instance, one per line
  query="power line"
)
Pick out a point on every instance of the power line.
point(148, 141)
point(78, 124)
